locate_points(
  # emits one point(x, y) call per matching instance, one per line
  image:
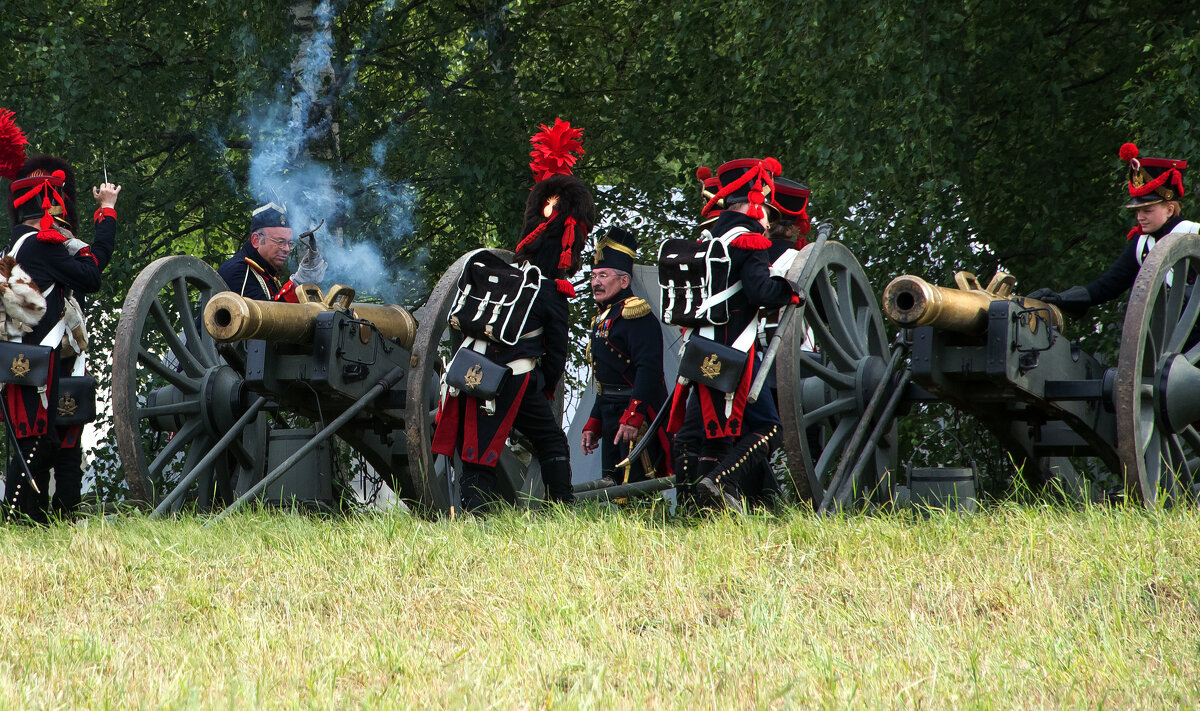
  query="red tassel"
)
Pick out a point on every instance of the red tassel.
point(703, 173)
point(565, 288)
point(568, 241)
point(751, 241)
point(1133, 232)
point(1128, 152)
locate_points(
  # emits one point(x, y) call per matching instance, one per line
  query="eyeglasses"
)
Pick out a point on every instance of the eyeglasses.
point(604, 275)
point(281, 242)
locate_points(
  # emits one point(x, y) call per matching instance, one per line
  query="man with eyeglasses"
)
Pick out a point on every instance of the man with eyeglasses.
point(254, 270)
point(625, 353)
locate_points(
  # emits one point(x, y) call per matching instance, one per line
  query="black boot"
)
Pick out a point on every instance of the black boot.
point(477, 485)
point(745, 458)
point(556, 475)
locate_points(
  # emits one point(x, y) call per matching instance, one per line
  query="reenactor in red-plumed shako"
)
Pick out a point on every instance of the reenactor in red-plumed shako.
point(254, 271)
point(625, 352)
point(44, 267)
point(789, 226)
point(715, 289)
point(1155, 187)
point(513, 319)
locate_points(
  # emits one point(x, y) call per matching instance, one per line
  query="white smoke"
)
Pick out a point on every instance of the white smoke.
point(368, 216)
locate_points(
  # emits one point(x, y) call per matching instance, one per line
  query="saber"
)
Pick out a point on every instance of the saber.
point(789, 312)
point(105, 160)
point(651, 431)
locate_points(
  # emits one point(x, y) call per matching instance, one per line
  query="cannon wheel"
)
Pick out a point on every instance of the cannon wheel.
point(173, 395)
point(846, 324)
point(518, 474)
point(1159, 446)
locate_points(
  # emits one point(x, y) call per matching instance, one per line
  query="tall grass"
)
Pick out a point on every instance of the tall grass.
point(1022, 607)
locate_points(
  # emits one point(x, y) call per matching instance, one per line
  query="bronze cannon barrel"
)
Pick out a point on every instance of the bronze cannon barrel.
point(232, 317)
point(910, 301)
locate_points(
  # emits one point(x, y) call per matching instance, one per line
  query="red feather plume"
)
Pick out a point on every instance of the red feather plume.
point(12, 145)
point(703, 173)
point(554, 149)
point(1128, 152)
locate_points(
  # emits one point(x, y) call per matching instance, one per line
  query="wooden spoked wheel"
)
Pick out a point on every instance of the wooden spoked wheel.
point(174, 396)
point(1158, 383)
point(518, 475)
point(829, 364)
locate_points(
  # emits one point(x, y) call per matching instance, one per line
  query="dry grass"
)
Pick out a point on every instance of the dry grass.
point(1018, 608)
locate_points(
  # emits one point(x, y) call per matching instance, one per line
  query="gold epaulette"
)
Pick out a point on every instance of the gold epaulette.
point(635, 307)
point(254, 265)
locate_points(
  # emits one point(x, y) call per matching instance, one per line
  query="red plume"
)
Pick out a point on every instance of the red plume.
point(703, 173)
point(1128, 152)
point(12, 145)
point(554, 149)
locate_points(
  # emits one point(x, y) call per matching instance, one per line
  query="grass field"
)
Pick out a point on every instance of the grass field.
point(1040, 607)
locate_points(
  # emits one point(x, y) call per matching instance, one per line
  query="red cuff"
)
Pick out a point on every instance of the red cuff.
point(287, 294)
point(103, 212)
point(592, 425)
point(631, 416)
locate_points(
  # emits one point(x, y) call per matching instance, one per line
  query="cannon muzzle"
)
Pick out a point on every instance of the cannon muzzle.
point(232, 317)
point(910, 301)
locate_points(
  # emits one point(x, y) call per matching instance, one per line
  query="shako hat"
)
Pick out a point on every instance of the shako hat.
point(791, 199)
point(559, 211)
point(42, 188)
point(45, 189)
point(616, 250)
point(1152, 180)
point(269, 215)
point(746, 180)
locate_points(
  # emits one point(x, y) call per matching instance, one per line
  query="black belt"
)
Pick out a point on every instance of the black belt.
point(605, 389)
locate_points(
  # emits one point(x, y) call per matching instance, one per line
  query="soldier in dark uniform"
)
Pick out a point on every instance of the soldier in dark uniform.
point(737, 435)
point(45, 220)
point(1155, 186)
point(253, 271)
point(787, 233)
point(625, 351)
point(559, 213)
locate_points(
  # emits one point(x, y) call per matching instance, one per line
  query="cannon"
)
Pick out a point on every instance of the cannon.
point(213, 395)
point(1003, 359)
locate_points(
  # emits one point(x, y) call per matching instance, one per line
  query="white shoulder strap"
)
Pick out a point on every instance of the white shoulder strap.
point(17, 247)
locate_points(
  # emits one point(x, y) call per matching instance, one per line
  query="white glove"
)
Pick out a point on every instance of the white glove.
point(74, 244)
point(312, 268)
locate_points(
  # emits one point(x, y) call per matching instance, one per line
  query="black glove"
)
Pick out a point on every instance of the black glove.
point(1075, 301)
point(1050, 296)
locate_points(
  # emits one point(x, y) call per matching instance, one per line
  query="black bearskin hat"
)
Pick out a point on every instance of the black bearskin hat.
point(559, 211)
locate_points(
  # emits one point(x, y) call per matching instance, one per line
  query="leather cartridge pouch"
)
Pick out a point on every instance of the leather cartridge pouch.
point(76, 400)
point(473, 375)
point(24, 363)
point(716, 365)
